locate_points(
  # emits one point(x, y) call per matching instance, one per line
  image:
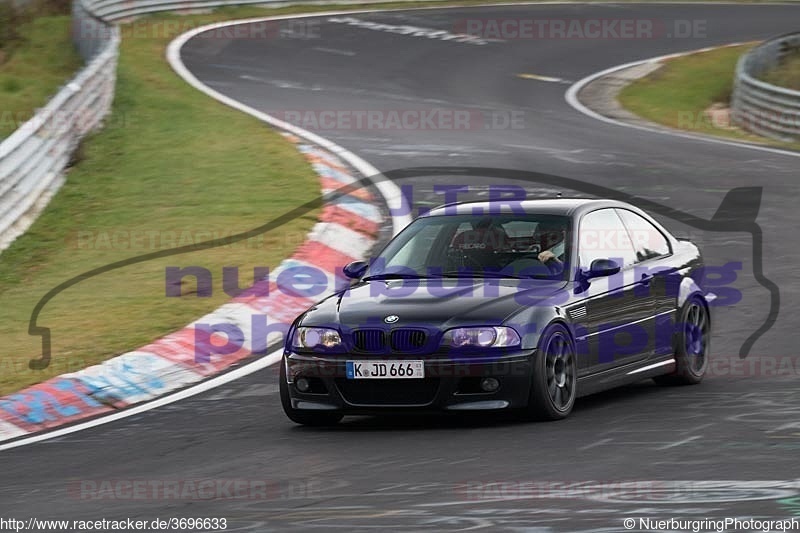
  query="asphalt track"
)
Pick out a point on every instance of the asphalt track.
point(638, 452)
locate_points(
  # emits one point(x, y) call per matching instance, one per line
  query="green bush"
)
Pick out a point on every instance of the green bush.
point(11, 17)
point(8, 27)
point(787, 74)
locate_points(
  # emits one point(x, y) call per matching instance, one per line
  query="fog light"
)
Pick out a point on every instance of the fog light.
point(489, 384)
point(302, 384)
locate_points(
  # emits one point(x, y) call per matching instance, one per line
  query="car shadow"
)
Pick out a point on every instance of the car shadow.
point(622, 397)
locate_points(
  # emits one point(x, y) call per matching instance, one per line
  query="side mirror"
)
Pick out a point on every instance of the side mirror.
point(355, 269)
point(602, 267)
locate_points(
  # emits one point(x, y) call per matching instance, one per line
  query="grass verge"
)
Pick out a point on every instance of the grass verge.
point(787, 74)
point(41, 60)
point(172, 167)
point(679, 93)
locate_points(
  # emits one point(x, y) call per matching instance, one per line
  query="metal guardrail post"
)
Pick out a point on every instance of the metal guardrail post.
point(761, 107)
point(33, 158)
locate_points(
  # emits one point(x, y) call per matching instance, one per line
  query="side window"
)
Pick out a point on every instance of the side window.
point(648, 241)
point(603, 236)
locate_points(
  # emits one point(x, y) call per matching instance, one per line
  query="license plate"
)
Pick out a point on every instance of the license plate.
point(385, 369)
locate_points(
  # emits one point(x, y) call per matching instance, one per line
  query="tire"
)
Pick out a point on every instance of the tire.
point(554, 377)
point(693, 345)
point(306, 418)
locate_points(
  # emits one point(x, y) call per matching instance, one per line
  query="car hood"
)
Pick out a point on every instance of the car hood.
point(438, 303)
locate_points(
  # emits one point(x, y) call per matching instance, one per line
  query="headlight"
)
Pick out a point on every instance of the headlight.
point(309, 338)
point(481, 337)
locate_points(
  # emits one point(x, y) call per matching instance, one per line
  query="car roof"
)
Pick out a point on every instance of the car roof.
point(546, 206)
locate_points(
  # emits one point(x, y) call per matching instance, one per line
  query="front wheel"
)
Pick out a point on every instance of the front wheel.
point(555, 377)
point(694, 342)
point(306, 418)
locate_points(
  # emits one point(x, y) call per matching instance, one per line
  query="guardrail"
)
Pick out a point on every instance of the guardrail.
point(113, 10)
point(33, 158)
point(760, 107)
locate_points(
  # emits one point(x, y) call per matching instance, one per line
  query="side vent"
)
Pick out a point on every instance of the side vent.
point(577, 313)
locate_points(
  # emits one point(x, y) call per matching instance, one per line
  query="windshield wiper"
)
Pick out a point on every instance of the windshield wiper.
point(452, 274)
point(479, 274)
point(395, 275)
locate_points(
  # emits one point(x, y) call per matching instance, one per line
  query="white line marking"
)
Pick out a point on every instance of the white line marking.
point(334, 51)
point(678, 443)
point(413, 31)
point(260, 364)
point(595, 444)
point(471, 459)
point(538, 77)
point(571, 96)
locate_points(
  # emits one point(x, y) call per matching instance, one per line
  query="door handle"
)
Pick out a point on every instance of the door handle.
point(646, 279)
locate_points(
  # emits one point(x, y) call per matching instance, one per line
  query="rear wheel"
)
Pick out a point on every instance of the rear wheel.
point(555, 376)
point(693, 345)
point(306, 418)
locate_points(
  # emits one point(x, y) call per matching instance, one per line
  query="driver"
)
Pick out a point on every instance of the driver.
point(551, 238)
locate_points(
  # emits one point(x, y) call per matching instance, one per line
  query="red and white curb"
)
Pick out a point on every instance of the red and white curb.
point(346, 231)
point(168, 370)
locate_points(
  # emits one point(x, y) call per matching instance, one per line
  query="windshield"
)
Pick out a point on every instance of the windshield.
point(507, 245)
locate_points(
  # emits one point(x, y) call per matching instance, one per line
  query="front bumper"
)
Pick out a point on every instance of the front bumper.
point(450, 384)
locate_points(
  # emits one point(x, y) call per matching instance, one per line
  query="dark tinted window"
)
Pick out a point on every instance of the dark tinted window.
point(648, 241)
point(483, 245)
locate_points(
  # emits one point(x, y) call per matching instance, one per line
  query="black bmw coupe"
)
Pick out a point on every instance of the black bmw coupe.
point(485, 306)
